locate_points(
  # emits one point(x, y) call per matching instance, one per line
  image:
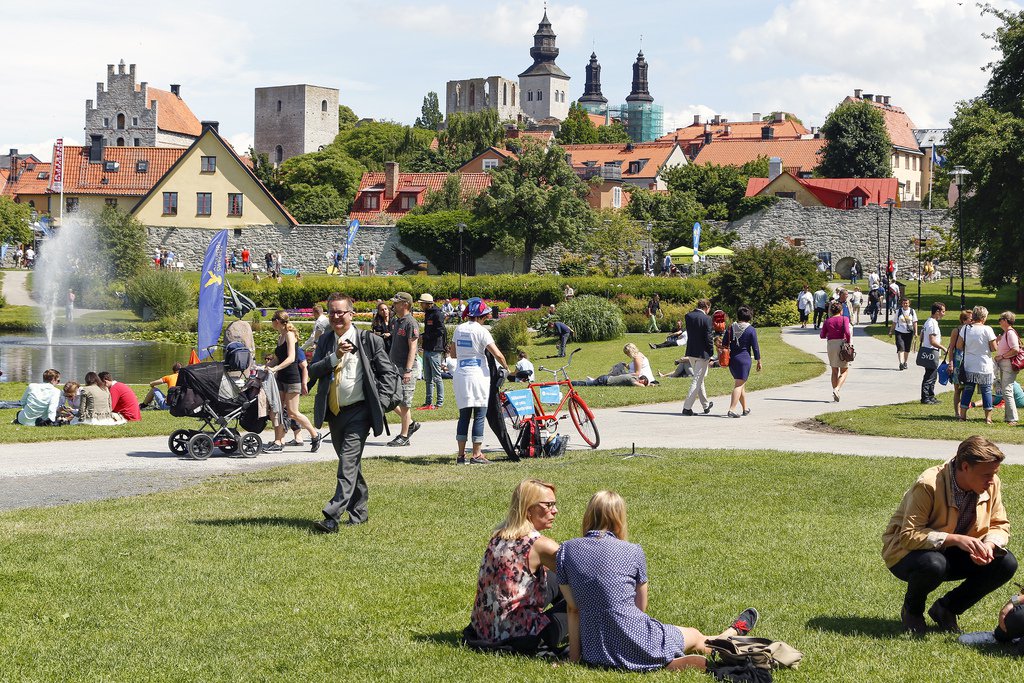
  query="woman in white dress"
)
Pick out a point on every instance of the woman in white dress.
point(977, 341)
point(472, 378)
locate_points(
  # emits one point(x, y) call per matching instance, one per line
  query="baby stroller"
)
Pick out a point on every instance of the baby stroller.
point(207, 392)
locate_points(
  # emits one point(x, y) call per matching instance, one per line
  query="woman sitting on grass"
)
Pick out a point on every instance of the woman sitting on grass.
point(604, 581)
point(96, 408)
point(514, 587)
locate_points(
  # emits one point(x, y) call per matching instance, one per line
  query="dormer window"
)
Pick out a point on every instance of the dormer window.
point(408, 201)
point(371, 201)
point(111, 166)
point(141, 166)
point(43, 175)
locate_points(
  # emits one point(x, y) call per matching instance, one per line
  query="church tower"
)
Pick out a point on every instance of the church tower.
point(593, 100)
point(543, 87)
point(641, 116)
point(640, 92)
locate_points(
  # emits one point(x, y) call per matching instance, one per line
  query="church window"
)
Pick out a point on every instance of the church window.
point(504, 94)
point(540, 95)
point(204, 203)
point(278, 154)
point(513, 95)
point(529, 96)
point(323, 105)
point(207, 164)
point(120, 121)
point(472, 94)
point(120, 142)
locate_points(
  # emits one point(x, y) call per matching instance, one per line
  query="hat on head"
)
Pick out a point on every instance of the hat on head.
point(477, 308)
point(426, 299)
point(403, 296)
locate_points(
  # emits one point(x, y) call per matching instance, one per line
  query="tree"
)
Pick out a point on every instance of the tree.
point(449, 198)
point(316, 204)
point(577, 129)
point(613, 133)
point(374, 142)
point(467, 135)
point(121, 242)
point(719, 189)
point(440, 160)
point(987, 137)
point(15, 222)
point(268, 173)
point(763, 275)
point(346, 118)
point(946, 248)
point(856, 143)
point(616, 237)
point(331, 167)
point(430, 117)
point(537, 199)
point(436, 236)
point(785, 115)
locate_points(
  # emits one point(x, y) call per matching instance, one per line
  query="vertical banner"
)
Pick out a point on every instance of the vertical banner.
point(353, 228)
point(696, 238)
point(211, 294)
point(57, 173)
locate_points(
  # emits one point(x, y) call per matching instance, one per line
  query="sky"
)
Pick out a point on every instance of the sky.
point(728, 57)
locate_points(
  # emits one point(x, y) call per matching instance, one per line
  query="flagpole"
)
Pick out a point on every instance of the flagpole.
point(931, 182)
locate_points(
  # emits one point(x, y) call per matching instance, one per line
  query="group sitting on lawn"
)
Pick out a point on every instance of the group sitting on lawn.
point(101, 401)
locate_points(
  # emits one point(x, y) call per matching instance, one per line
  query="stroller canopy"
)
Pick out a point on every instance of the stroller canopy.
point(209, 381)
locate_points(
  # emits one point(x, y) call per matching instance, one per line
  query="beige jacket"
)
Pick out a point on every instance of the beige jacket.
point(928, 514)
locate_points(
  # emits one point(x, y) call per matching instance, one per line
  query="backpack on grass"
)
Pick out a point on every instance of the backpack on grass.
point(760, 653)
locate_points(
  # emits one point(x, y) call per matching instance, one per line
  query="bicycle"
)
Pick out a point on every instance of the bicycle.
point(578, 410)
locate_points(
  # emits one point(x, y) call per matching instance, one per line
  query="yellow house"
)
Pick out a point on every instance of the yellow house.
point(210, 186)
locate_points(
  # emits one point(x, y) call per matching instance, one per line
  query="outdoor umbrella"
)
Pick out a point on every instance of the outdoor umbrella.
point(718, 251)
point(680, 251)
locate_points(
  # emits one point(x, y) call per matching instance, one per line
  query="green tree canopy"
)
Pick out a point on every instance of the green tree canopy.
point(346, 118)
point(719, 189)
point(436, 236)
point(268, 173)
point(372, 143)
point(430, 117)
point(316, 204)
point(330, 167)
point(121, 242)
point(15, 221)
point(856, 143)
point(577, 129)
point(537, 200)
point(764, 275)
point(616, 238)
point(467, 135)
point(613, 133)
point(449, 198)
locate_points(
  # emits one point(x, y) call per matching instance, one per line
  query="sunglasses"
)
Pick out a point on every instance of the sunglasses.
point(548, 504)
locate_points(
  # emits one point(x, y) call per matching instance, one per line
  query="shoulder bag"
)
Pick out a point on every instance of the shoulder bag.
point(1017, 361)
point(725, 354)
point(927, 357)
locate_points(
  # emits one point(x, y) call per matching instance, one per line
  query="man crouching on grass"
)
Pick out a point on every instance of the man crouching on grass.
point(951, 526)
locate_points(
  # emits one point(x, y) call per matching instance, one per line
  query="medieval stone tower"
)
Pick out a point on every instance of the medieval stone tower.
point(294, 119)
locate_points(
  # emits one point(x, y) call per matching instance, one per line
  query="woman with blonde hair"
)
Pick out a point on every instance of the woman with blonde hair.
point(639, 366)
point(604, 580)
point(956, 358)
point(977, 341)
point(289, 382)
point(514, 587)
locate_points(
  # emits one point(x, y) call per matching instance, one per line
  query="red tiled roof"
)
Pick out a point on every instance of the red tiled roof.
point(897, 124)
point(83, 177)
point(795, 154)
point(738, 130)
point(834, 192)
point(28, 182)
point(597, 119)
point(421, 183)
point(656, 153)
point(173, 115)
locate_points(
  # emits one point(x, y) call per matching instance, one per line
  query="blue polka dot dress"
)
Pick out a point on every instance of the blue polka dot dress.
point(603, 573)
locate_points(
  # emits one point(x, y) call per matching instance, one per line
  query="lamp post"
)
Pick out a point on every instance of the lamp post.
point(461, 227)
point(890, 202)
point(920, 263)
point(960, 174)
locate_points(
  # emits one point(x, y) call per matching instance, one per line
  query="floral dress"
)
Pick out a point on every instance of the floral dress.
point(510, 600)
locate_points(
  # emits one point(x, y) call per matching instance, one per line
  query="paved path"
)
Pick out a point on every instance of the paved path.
point(35, 474)
point(16, 292)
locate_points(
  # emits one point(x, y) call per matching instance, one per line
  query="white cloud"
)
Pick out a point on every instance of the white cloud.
point(241, 142)
point(514, 22)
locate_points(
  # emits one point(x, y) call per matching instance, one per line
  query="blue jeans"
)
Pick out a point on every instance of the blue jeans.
point(462, 430)
point(432, 375)
point(562, 340)
point(968, 391)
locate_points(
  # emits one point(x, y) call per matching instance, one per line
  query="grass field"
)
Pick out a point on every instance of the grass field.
point(225, 581)
point(783, 364)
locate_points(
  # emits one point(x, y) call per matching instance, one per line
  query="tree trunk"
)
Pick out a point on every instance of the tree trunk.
point(527, 256)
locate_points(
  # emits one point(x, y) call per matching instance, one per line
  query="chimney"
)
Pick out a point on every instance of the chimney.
point(724, 120)
point(774, 168)
point(869, 98)
point(212, 125)
point(780, 116)
point(176, 89)
point(857, 92)
point(131, 70)
point(878, 99)
point(767, 133)
point(728, 130)
point(96, 149)
point(756, 116)
point(14, 155)
point(717, 120)
point(886, 100)
point(696, 119)
point(390, 179)
point(708, 136)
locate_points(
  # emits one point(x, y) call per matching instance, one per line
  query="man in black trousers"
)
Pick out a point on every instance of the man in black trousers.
point(349, 365)
point(700, 347)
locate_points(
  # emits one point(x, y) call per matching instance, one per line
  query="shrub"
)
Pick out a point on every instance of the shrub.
point(573, 265)
point(592, 318)
point(166, 292)
point(778, 314)
point(511, 333)
point(765, 275)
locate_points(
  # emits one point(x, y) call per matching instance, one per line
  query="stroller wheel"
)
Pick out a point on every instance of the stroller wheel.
point(177, 442)
point(228, 448)
point(200, 446)
point(250, 445)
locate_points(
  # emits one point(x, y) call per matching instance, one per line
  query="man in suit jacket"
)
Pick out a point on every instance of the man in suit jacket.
point(346, 364)
point(700, 348)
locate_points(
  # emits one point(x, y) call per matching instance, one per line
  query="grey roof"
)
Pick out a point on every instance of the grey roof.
point(931, 137)
point(545, 69)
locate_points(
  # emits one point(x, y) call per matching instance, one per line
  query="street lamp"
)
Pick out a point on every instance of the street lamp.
point(890, 202)
point(960, 174)
point(461, 227)
point(920, 263)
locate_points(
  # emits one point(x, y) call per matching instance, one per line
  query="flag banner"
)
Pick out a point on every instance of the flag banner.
point(696, 238)
point(353, 228)
point(521, 401)
point(211, 294)
point(57, 173)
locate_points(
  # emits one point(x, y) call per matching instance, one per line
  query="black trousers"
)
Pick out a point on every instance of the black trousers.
point(348, 434)
point(926, 570)
point(819, 315)
point(928, 383)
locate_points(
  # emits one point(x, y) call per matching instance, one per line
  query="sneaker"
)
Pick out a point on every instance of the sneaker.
point(414, 427)
point(944, 618)
point(651, 345)
point(711, 404)
point(272, 447)
point(745, 622)
point(479, 460)
point(687, 412)
point(425, 406)
point(399, 441)
point(460, 461)
point(314, 445)
point(293, 442)
point(913, 623)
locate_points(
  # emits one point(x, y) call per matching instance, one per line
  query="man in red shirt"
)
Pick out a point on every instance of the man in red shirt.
point(245, 260)
point(122, 399)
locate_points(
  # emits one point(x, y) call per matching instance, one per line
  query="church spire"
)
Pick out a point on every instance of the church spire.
point(640, 92)
point(544, 51)
point(592, 90)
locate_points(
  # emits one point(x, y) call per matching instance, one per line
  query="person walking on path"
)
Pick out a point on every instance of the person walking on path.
point(700, 347)
point(856, 303)
point(405, 336)
point(931, 338)
point(381, 325)
point(1007, 348)
point(956, 359)
point(805, 304)
point(289, 383)
point(837, 329)
point(472, 380)
point(435, 339)
point(348, 366)
point(69, 306)
point(653, 311)
point(951, 526)
point(977, 341)
point(820, 306)
point(904, 325)
point(742, 340)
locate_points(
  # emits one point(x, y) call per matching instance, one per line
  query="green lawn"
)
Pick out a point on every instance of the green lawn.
point(916, 421)
point(225, 581)
point(783, 364)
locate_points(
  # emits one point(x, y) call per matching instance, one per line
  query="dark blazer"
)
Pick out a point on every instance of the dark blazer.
point(375, 363)
point(700, 340)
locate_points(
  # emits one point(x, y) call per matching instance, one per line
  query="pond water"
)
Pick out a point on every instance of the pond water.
point(24, 359)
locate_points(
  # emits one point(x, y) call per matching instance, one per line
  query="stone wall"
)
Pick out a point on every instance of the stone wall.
point(120, 97)
point(301, 125)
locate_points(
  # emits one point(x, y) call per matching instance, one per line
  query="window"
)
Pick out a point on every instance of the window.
point(634, 167)
point(617, 197)
point(489, 164)
point(540, 95)
point(279, 106)
point(786, 195)
point(504, 94)
point(529, 96)
point(278, 154)
point(120, 142)
point(407, 202)
point(135, 120)
point(43, 175)
point(472, 94)
point(110, 201)
point(111, 166)
point(917, 189)
point(371, 201)
point(207, 164)
point(513, 95)
point(798, 241)
point(234, 203)
point(238, 232)
point(170, 203)
point(857, 202)
point(71, 204)
point(120, 121)
point(204, 203)
point(138, 142)
point(323, 105)
point(106, 122)
point(141, 166)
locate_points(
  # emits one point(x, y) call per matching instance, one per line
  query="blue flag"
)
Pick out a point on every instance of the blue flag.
point(353, 228)
point(696, 238)
point(211, 294)
point(937, 159)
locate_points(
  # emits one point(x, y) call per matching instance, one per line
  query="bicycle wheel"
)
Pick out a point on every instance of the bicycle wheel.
point(513, 420)
point(583, 418)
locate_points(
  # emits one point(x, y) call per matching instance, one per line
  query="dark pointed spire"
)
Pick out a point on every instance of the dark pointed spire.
point(544, 51)
point(640, 92)
point(592, 90)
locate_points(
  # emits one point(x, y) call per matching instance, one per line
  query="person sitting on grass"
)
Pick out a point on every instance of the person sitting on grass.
point(96, 404)
point(524, 368)
point(40, 400)
point(518, 606)
point(1010, 626)
point(156, 395)
point(951, 526)
point(70, 403)
point(677, 338)
point(618, 376)
point(683, 369)
point(603, 578)
point(123, 400)
point(448, 364)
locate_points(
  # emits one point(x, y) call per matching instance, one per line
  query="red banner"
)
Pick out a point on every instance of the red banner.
point(58, 166)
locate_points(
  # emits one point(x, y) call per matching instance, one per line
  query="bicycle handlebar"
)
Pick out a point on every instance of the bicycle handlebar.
point(561, 369)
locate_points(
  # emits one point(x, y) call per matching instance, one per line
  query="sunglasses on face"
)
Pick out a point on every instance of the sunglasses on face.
point(548, 504)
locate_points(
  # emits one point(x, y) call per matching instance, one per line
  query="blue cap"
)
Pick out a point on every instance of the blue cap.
point(476, 308)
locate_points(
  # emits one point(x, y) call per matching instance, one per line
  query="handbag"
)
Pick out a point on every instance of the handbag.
point(1017, 361)
point(928, 358)
point(847, 352)
point(725, 354)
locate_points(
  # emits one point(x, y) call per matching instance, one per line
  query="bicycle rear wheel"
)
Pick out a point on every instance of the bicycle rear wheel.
point(583, 417)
